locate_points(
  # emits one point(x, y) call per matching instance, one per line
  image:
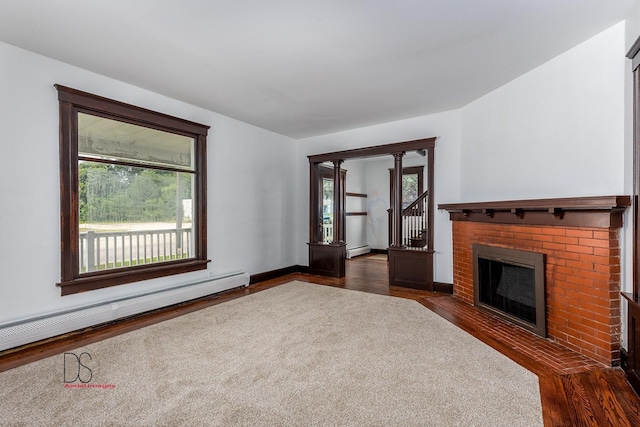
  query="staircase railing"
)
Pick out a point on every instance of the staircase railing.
point(414, 222)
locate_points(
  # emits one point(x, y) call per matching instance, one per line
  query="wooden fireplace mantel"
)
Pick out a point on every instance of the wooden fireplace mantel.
point(598, 211)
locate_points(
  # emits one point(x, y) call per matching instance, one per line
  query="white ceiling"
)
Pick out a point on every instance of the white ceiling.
point(309, 67)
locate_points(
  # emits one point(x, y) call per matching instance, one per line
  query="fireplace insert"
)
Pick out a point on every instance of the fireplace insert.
point(510, 284)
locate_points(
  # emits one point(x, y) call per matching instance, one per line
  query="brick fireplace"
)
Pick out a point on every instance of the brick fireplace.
point(580, 240)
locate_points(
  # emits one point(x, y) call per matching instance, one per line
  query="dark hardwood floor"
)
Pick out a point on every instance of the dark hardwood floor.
point(575, 391)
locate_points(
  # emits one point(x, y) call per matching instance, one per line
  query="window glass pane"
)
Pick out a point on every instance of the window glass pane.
point(114, 140)
point(409, 189)
point(132, 215)
point(327, 209)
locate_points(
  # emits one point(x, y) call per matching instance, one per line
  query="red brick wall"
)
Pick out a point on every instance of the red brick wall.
point(582, 279)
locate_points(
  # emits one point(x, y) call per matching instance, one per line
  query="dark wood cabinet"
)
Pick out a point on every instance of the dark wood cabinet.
point(327, 259)
point(411, 268)
point(631, 363)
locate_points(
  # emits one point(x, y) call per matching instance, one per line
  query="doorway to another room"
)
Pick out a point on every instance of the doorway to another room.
point(350, 214)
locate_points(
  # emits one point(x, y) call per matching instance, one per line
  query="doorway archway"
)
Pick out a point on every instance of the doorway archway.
point(410, 267)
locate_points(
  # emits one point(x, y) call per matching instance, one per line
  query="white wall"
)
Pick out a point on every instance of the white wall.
point(445, 126)
point(557, 131)
point(378, 201)
point(632, 26)
point(250, 187)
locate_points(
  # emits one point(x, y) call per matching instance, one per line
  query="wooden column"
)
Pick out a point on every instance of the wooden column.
point(338, 209)
point(326, 259)
point(634, 55)
point(315, 216)
point(396, 203)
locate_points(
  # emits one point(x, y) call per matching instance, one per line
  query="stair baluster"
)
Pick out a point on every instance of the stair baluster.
point(415, 222)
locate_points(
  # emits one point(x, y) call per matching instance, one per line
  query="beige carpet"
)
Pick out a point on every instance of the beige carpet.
point(297, 354)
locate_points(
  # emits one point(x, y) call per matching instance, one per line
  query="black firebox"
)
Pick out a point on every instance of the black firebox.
point(510, 283)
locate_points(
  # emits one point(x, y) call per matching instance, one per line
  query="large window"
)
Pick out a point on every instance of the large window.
point(133, 203)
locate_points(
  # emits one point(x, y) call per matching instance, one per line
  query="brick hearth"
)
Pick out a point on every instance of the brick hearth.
point(582, 269)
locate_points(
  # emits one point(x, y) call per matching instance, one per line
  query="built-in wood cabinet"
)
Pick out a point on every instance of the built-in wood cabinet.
point(631, 363)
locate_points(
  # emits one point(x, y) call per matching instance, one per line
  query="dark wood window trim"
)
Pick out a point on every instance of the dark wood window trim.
point(375, 151)
point(319, 172)
point(71, 101)
point(410, 170)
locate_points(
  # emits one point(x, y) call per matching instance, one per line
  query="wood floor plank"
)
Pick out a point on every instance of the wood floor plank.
point(625, 395)
point(607, 391)
point(554, 402)
point(578, 399)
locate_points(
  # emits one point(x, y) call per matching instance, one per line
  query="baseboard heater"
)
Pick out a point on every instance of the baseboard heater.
point(38, 328)
point(358, 250)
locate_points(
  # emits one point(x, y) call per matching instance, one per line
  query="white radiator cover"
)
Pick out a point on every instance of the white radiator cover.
point(35, 329)
point(359, 250)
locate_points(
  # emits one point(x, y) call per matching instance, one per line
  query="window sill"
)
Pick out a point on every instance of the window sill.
point(103, 279)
